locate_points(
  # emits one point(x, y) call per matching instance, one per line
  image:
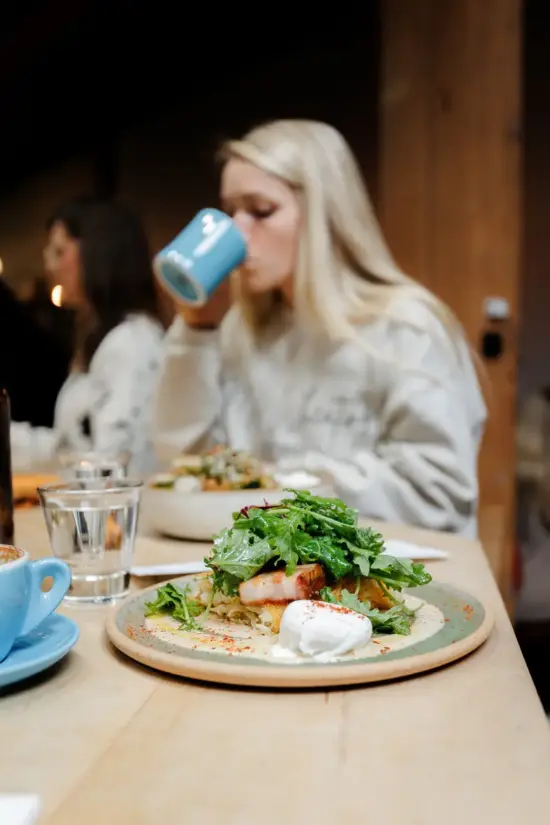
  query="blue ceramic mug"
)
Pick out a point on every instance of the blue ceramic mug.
point(195, 263)
point(23, 604)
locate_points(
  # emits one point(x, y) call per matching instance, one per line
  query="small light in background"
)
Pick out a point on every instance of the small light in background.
point(57, 295)
point(1, 266)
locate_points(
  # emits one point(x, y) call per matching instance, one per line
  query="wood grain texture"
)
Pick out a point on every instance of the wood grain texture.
point(450, 190)
point(102, 739)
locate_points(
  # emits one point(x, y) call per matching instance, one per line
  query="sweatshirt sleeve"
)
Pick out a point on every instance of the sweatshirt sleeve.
point(124, 376)
point(189, 395)
point(423, 469)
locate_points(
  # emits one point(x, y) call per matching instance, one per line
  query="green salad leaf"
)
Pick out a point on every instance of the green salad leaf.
point(303, 530)
point(397, 619)
point(174, 602)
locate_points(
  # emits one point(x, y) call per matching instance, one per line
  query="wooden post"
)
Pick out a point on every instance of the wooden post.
point(450, 196)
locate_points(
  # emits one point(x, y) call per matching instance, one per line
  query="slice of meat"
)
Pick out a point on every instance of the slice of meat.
point(278, 588)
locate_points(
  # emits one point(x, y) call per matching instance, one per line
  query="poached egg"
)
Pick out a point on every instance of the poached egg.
point(320, 631)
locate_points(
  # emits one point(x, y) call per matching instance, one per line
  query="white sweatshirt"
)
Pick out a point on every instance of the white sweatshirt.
point(397, 437)
point(115, 396)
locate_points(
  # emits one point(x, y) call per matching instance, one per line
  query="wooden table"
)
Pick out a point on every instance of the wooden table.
point(104, 740)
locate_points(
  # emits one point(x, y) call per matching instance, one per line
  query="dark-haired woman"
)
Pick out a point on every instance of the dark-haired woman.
point(98, 254)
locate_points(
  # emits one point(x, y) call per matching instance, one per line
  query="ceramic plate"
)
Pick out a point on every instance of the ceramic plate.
point(38, 650)
point(449, 625)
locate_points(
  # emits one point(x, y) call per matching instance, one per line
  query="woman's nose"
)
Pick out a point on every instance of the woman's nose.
point(243, 221)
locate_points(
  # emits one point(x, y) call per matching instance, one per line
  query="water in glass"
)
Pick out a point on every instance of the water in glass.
point(92, 526)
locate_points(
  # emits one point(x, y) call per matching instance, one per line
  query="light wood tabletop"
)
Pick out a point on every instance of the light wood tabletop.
point(104, 740)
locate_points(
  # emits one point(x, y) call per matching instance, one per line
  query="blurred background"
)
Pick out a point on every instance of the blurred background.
point(446, 105)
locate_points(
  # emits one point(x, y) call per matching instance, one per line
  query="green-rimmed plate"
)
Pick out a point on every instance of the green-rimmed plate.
point(449, 625)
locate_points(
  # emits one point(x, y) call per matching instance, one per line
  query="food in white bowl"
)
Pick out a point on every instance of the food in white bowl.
point(221, 469)
point(198, 496)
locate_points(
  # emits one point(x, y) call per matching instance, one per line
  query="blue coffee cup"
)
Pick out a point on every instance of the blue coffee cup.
point(195, 263)
point(23, 604)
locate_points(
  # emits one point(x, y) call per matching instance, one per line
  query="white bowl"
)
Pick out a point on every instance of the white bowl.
point(199, 515)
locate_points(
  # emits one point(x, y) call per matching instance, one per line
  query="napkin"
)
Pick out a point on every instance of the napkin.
point(19, 809)
point(416, 552)
point(174, 569)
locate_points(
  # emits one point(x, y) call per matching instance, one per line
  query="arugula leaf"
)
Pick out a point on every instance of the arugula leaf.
point(330, 507)
point(278, 527)
point(396, 620)
point(367, 546)
point(225, 583)
point(175, 603)
point(241, 553)
point(306, 529)
point(325, 551)
point(399, 573)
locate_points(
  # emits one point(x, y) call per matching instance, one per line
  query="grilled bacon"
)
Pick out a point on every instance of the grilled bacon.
point(278, 588)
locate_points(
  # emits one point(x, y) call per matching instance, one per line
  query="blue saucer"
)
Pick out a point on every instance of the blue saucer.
point(39, 650)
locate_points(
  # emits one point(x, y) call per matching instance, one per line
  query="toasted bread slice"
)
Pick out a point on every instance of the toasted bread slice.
point(369, 591)
point(276, 612)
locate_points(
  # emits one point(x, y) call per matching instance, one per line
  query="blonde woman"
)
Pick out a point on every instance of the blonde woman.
point(331, 359)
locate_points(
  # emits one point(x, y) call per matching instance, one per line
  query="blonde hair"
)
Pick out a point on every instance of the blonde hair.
point(345, 274)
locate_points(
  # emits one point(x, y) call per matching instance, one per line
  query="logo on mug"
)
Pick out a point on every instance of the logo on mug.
point(213, 232)
point(208, 224)
point(180, 260)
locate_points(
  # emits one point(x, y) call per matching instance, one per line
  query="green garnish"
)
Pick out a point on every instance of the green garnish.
point(174, 602)
point(397, 619)
point(303, 530)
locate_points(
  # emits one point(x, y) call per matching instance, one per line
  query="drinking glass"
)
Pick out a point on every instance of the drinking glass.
point(92, 526)
point(91, 465)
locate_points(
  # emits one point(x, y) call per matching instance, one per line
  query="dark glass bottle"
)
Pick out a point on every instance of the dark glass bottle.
point(6, 488)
